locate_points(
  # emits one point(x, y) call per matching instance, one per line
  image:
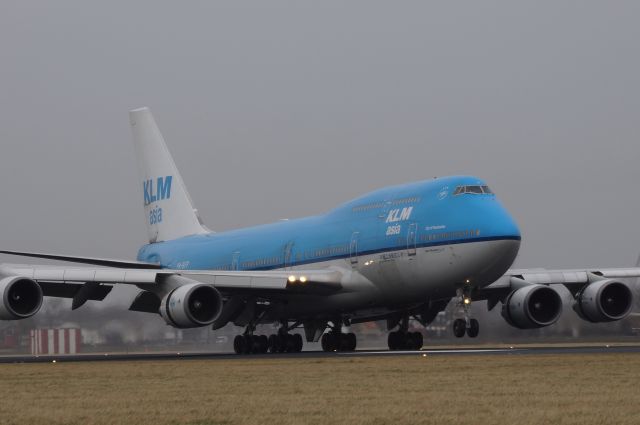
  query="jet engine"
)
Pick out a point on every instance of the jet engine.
point(21, 298)
point(604, 300)
point(532, 306)
point(191, 305)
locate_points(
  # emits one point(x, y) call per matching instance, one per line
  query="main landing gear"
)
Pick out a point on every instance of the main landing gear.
point(281, 342)
point(466, 325)
point(336, 340)
point(402, 339)
point(399, 340)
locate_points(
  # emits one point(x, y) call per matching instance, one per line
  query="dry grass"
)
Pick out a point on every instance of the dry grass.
point(565, 389)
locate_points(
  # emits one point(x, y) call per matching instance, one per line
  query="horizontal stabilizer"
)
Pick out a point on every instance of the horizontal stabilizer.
point(106, 262)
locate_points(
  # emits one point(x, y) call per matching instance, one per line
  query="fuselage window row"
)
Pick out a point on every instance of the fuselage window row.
point(450, 235)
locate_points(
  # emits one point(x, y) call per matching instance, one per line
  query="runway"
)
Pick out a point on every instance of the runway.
point(484, 351)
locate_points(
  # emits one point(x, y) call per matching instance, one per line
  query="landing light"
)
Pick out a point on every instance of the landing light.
point(292, 279)
point(303, 279)
point(467, 300)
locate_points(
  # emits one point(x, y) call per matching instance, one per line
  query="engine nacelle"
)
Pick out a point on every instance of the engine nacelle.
point(191, 305)
point(532, 306)
point(21, 298)
point(604, 301)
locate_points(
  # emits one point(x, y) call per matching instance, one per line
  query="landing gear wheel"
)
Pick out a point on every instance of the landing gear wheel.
point(459, 327)
point(328, 342)
point(473, 329)
point(238, 344)
point(251, 344)
point(282, 343)
point(416, 340)
point(343, 342)
point(394, 340)
point(271, 344)
point(351, 341)
point(297, 343)
point(290, 343)
point(263, 344)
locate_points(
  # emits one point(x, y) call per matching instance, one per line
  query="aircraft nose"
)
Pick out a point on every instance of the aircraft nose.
point(502, 224)
point(509, 227)
point(504, 236)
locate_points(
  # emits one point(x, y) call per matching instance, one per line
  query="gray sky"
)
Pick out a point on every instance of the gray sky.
point(284, 109)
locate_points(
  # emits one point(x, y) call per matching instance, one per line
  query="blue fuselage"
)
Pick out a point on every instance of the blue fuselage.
point(406, 217)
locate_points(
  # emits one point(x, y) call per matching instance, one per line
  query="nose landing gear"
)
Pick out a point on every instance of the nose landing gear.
point(469, 326)
point(466, 325)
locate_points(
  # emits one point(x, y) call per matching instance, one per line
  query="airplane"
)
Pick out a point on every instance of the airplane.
point(395, 254)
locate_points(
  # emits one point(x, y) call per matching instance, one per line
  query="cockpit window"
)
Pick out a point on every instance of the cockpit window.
point(475, 189)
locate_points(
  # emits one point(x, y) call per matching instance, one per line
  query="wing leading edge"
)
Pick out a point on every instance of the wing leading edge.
point(300, 281)
point(103, 262)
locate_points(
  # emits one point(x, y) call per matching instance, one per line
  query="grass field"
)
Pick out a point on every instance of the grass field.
point(516, 389)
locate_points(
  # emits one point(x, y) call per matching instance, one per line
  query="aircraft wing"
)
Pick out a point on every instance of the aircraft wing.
point(111, 271)
point(570, 276)
point(572, 279)
point(106, 262)
point(300, 281)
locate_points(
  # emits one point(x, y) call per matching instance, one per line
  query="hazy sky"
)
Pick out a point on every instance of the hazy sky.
point(283, 109)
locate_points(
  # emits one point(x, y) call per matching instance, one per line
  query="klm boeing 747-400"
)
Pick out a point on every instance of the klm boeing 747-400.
point(396, 254)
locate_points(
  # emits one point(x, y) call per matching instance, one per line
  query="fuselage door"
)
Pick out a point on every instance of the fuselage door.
point(235, 260)
point(411, 239)
point(353, 248)
point(384, 212)
point(288, 255)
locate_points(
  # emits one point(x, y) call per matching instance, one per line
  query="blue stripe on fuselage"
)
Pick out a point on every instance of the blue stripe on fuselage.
point(378, 222)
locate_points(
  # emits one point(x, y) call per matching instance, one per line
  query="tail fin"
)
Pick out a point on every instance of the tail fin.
point(168, 208)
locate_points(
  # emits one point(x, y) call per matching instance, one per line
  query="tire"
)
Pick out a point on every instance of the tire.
point(352, 341)
point(416, 341)
point(298, 343)
point(238, 344)
point(459, 327)
point(272, 343)
point(281, 343)
point(290, 344)
point(264, 344)
point(328, 342)
point(474, 328)
point(406, 340)
point(343, 343)
point(251, 344)
point(393, 341)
